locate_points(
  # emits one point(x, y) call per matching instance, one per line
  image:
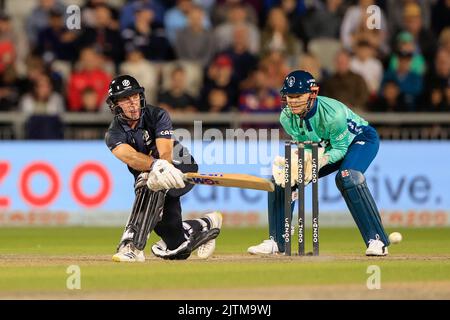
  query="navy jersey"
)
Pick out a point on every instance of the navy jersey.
point(154, 123)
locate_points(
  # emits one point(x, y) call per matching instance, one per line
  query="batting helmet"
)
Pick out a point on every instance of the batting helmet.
point(121, 87)
point(298, 82)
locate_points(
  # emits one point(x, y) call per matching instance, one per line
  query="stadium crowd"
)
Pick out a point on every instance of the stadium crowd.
point(222, 55)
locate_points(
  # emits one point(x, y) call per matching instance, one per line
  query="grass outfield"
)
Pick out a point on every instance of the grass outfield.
point(33, 264)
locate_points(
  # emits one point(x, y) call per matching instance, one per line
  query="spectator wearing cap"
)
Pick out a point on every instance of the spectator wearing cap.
point(423, 37)
point(237, 16)
point(194, 43)
point(396, 8)
point(177, 98)
point(148, 36)
point(365, 63)
point(89, 73)
point(176, 19)
point(410, 82)
point(220, 89)
point(145, 72)
point(103, 34)
point(345, 85)
point(38, 20)
point(56, 42)
point(405, 43)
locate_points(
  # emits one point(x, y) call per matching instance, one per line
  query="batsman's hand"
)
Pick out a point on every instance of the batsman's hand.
point(164, 176)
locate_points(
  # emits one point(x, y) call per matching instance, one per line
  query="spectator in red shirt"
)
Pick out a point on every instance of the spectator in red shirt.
point(90, 74)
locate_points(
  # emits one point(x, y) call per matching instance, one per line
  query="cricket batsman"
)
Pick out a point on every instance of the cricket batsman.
point(141, 136)
point(348, 145)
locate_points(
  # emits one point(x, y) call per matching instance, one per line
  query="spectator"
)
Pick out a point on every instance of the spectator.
point(56, 42)
point(128, 12)
point(354, 27)
point(444, 40)
point(367, 66)
point(103, 34)
point(221, 11)
point(405, 42)
point(276, 67)
point(38, 20)
point(89, 101)
point(177, 99)
point(224, 33)
point(277, 37)
point(89, 14)
point(345, 85)
point(145, 72)
point(410, 82)
point(310, 62)
point(42, 99)
point(7, 46)
point(194, 43)
point(148, 36)
point(10, 89)
point(440, 16)
point(395, 9)
point(176, 19)
point(322, 22)
point(390, 98)
point(89, 74)
point(219, 92)
point(243, 60)
point(423, 37)
point(436, 82)
point(260, 97)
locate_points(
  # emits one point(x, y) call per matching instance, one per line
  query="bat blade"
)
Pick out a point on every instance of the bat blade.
point(237, 180)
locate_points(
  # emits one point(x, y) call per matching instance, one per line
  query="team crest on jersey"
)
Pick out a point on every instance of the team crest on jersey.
point(291, 81)
point(146, 137)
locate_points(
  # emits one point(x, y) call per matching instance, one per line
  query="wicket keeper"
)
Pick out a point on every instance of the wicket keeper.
point(142, 137)
point(349, 145)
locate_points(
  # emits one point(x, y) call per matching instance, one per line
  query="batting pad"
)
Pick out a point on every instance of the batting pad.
point(353, 187)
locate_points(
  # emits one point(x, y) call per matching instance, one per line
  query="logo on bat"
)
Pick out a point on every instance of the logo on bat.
point(203, 181)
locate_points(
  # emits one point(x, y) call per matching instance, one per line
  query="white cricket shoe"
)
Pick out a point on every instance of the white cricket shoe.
point(206, 250)
point(128, 253)
point(376, 248)
point(266, 247)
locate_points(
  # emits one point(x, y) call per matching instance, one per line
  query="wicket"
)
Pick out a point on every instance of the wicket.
point(301, 196)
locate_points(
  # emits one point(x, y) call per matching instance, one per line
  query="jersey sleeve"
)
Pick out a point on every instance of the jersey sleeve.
point(114, 138)
point(338, 138)
point(163, 125)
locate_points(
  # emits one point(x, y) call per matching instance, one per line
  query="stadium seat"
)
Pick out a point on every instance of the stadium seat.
point(325, 49)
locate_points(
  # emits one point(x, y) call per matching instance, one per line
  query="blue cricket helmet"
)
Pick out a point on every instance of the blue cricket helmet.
point(299, 82)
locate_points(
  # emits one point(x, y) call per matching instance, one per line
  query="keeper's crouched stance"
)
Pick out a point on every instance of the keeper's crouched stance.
point(349, 145)
point(142, 137)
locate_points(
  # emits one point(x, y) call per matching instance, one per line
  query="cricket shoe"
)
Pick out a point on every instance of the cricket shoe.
point(265, 248)
point(206, 250)
point(128, 253)
point(376, 248)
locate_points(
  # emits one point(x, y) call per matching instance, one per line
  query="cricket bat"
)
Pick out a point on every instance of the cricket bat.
point(238, 180)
